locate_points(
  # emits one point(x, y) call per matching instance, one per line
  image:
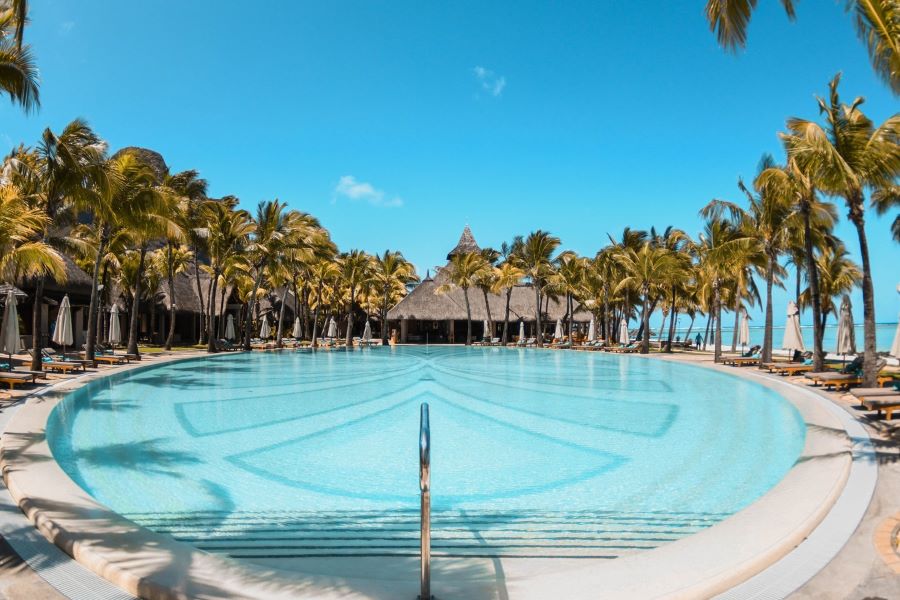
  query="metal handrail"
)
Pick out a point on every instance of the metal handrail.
point(425, 497)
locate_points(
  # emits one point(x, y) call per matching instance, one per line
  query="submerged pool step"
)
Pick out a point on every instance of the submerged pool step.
point(454, 533)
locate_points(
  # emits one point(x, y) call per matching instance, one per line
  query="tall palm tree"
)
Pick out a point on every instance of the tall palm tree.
point(18, 72)
point(485, 283)
point(646, 268)
point(324, 271)
point(391, 272)
point(536, 260)
point(228, 231)
point(464, 271)
point(508, 276)
point(877, 25)
point(356, 269)
point(846, 157)
point(568, 278)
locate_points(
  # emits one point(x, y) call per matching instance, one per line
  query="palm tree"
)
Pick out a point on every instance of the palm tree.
point(485, 283)
point(356, 269)
point(844, 158)
point(877, 25)
point(20, 255)
point(392, 272)
point(18, 72)
point(508, 276)
point(188, 189)
point(536, 260)
point(464, 271)
point(766, 222)
point(324, 271)
point(227, 233)
point(645, 269)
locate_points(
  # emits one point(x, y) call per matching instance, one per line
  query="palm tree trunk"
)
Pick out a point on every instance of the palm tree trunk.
point(170, 275)
point(248, 318)
point(812, 275)
point(279, 335)
point(645, 321)
point(384, 309)
point(199, 297)
point(690, 328)
point(315, 327)
point(506, 317)
point(674, 312)
point(37, 363)
point(489, 335)
point(767, 329)
point(220, 332)
point(136, 306)
point(539, 334)
point(869, 357)
point(210, 322)
point(350, 316)
point(468, 318)
point(737, 322)
point(717, 303)
point(93, 315)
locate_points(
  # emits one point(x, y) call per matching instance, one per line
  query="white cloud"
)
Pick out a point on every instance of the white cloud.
point(490, 82)
point(66, 26)
point(349, 187)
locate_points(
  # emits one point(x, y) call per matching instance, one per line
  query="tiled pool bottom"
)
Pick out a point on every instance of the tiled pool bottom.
point(536, 453)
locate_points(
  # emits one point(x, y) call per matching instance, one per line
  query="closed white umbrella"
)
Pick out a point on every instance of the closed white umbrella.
point(332, 328)
point(487, 330)
point(846, 336)
point(558, 334)
point(62, 334)
point(624, 338)
point(264, 331)
point(592, 331)
point(367, 332)
point(521, 330)
point(296, 332)
point(895, 347)
point(229, 328)
point(115, 328)
point(744, 333)
point(793, 339)
point(9, 330)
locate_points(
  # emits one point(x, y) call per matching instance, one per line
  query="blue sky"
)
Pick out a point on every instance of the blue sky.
point(396, 123)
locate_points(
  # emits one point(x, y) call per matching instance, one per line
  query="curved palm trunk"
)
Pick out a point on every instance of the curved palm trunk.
point(737, 322)
point(348, 337)
point(869, 358)
point(248, 318)
point(199, 297)
point(645, 321)
point(488, 335)
point(674, 313)
point(468, 317)
point(136, 306)
point(93, 314)
point(221, 330)
point(506, 317)
point(384, 309)
point(539, 330)
point(812, 275)
point(36, 363)
point(170, 276)
point(687, 336)
point(210, 321)
point(767, 329)
point(279, 335)
point(717, 302)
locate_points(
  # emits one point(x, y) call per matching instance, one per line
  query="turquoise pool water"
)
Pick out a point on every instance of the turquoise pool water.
point(294, 454)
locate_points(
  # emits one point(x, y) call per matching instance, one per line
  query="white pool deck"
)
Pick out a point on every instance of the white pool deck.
point(703, 565)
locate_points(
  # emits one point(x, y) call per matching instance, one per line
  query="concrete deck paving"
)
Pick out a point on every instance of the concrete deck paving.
point(862, 569)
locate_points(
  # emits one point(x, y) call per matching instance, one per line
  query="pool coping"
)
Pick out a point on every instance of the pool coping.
point(701, 565)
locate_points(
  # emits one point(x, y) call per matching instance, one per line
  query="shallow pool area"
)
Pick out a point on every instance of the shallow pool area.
point(535, 453)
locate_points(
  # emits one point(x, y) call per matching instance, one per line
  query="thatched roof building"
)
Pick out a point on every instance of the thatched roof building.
point(442, 316)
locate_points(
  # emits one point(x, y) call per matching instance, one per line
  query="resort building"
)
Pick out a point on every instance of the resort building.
point(429, 316)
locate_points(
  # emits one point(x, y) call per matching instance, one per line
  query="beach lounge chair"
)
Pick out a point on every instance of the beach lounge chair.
point(626, 349)
point(880, 399)
point(14, 378)
point(740, 361)
point(786, 368)
point(53, 355)
point(531, 342)
point(852, 375)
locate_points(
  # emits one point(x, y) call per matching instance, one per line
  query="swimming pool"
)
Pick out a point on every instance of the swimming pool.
point(535, 453)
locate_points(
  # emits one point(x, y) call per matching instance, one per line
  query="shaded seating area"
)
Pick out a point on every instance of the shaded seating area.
point(880, 399)
point(850, 375)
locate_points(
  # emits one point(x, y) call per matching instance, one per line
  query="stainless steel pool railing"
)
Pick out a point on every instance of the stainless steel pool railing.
point(425, 496)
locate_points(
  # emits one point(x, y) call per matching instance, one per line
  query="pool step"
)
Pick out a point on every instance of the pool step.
point(454, 533)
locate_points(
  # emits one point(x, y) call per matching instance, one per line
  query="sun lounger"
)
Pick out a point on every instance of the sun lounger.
point(786, 368)
point(740, 361)
point(880, 399)
point(14, 378)
point(55, 356)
